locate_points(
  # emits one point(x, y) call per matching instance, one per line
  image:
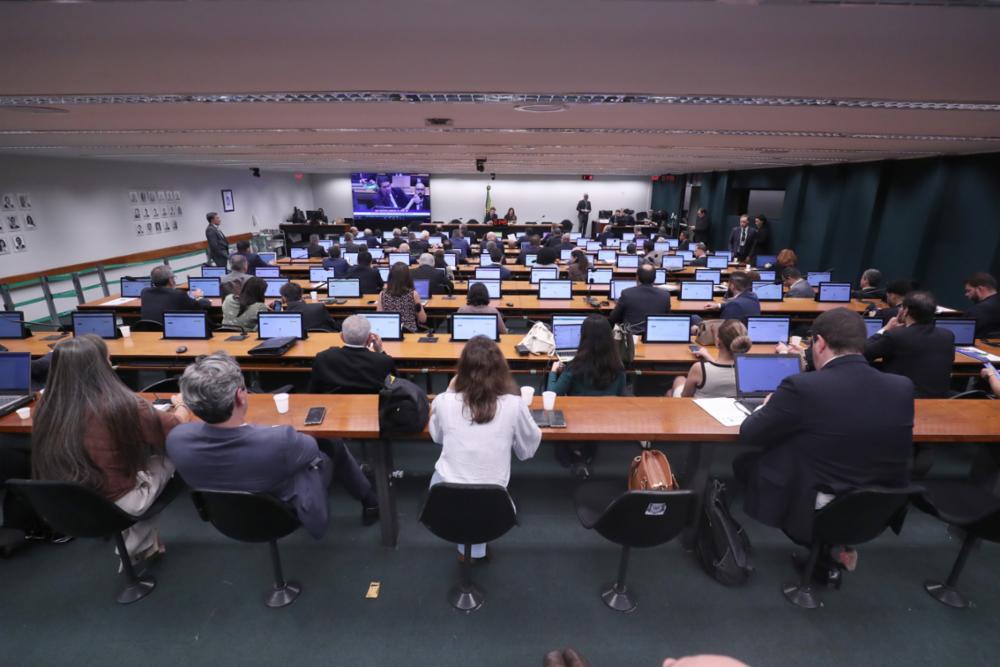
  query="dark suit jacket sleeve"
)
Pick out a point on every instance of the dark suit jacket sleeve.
point(776, 421)
point(878, 347)
point(618, 314)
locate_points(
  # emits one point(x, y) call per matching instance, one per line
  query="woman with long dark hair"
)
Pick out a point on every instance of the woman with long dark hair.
point(241, 310)
point(479, 421)
point(399, 296)
point(577, 266)
point(596, 370)
point(510, 216)
point(477, 302)
point(90, 428)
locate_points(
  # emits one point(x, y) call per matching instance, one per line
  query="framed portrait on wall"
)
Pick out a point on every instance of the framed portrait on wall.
point(228, 205)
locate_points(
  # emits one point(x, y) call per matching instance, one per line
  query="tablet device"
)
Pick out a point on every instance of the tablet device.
point(210, 287)
point(185, 324)
point(667, 329)
point(319, 275)
point(660, 277)
point(213, 271)
point(267, 272)
point(488, 273)
point(964, 329)
point(280, 325)
point(555, 289)
point(343, 288)
point(628, 261)
point(768, 291)
point(268, 257)
point(12, 324)
point(387, 326)
point(672, 262)
point(465, 327)
point(298, 253)
point(98, 322)
point(132, 287)
point(713, 275)
point(814, 278)
point(399, 258)
point(696, 290)
point(619, 286)
point(768, 329)
point(599, 276)
point(546, 272)
point(274, 286)
point(834, 293)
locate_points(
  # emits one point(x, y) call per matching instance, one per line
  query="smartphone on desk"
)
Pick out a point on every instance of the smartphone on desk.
point(315, 416)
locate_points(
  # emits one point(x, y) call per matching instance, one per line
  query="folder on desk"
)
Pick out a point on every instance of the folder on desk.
point(273, 347)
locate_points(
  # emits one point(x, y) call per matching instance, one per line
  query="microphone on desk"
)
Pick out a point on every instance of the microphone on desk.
point(591, 301)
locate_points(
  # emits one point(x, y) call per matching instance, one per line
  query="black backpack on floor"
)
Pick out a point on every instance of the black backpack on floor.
point(723, 547)
point(403, 408)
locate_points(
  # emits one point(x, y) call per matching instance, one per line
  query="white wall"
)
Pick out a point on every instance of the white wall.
point(83, 213)
point(532, 197)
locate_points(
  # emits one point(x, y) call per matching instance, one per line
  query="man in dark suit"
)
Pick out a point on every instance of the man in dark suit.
point(388, 196)
point(359, 367)
point(218, 245)
point(534, 245)
point(368, 278)
point(583, 209)
point(336, 262)
point(644, 299)
point(425, 270)
point(314, 315)
point(894, 293)
point(421, 244)
point(460, 243)
point(743, 304)
point(164, 296)
point(870, 286)
point(350, 245)
point(314, 248)
point(225, 453)
point(981, 290)
point(700, 255)
point(253, 259)
point(911, 345)
point(741, 239)
point(844, 426)
point(702, 224)
point(396, 239)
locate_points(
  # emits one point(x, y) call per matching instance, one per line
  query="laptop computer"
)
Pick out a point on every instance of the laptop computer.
point(343, 288)
point(687, 255)
point(383, 272)
point(757, 375)
point(298, 253)
point(132, 287)
point(697, 290)
point(423, 287)
point(210, 287)
point(716, 262)
point(280, 325)
point(387, 326)
point(606, 256)
point(723, 253)
point(184, 325)
point(768, 329)
point(873, 325)
point(713, 275)
point(12, 324)
point(546, 272)
point(628, 236)
point(213, 271)
point(268, 257)
point(319, 274)
point(768, 291)
point(667, 329)
point(599, 276)
point(15, 381)
point(351, 258)
point(834, 293)
point(98, 322)
point(567, 338)
point(770, 276)
point(814, 278)
point(465, 327)
point(268, 272)
point(566, 254)
point(555, 289)
point(326, 244)
point(399, 258)
point(628, 261)
point(964, 330)
point(484, 260)
point(493, 286)
point(274, 287)
point(450, 259)
point(661, 246)
point(489, 273)
point(766, 260)
point(619, 286)
point(376, 253)
point(672, 262)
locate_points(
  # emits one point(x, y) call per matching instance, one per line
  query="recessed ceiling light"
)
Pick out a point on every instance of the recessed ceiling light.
point(541, 108)
point(33, 109)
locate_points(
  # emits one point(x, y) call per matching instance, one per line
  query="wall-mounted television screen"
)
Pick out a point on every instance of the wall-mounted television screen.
point(377, 195)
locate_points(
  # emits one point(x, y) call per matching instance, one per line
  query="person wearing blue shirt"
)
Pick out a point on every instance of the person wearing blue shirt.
point(336, 262)
point(744, 302)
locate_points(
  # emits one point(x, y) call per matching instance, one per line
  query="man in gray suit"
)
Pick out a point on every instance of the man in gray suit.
point(218, 245)
point(796, 284)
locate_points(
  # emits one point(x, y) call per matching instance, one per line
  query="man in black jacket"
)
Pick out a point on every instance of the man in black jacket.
point(702, 224)
point(742, 239)
point(534, 245)
point(911, 345)
point(644, 299)
point(315, 249)
point(314, 315)
point(981, 290)
point(359, 367)
point(164, 296)
point(583, 208)
point(425, 270)
point(369, 278)
point(871, 286)
point(824, 433)
point(894, 293)
point(218, 245)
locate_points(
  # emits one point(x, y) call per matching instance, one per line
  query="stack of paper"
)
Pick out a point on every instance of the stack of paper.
point(724, 410)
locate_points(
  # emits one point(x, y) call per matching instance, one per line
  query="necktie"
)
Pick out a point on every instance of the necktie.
point(743, 236)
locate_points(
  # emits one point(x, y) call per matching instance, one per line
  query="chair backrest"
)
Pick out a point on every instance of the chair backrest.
point(72, 509)
point(861, 515)
point(147, 325)
point(245, 516)
point(169, 385)
point(646, 518)
point(468, 513)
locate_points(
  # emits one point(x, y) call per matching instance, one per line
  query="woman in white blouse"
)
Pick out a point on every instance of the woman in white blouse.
point(479, 421)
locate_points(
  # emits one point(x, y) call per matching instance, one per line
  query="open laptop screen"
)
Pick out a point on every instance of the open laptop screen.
point(268, 257)
point(386, 326)
point(423, 287)
point(492, 286)
point(964, 330)
point(450, 259)
point(555, 289)
point(619, 286)
point(873, 325)
point(834, 292)
point(696, 290)
point(279, 325)
point(274, 286)
point(298, 253)
point(661, 246)
point(11, 324)
point(488, 273)
point(98, 323)
point(628, 236)
point(343, 288)
point(814, 278)
point(567, 336)
point(708, 274)
point(768, 275)
point(606, 255)
point(687, 255)
point(267, 272)
point(326, 244)
point(319, 275)
point(768, 329)
point(188, 324)
point(213, 271)
point(465, 327)
point(599, 276)
point(132, 287)
point(667, 329)
point(547, 272)
point(723, 253)
point(760, 374)
point(660, 277)
point(768, 291)
point(486, 260)
point(399, 258)
point(351, 258)
point(383, 272)
point(210, 287)
point(566, 254)
point(376, 253)
point(568, 319)
point(15, 373)
point(628, 261)
point(766, 260)
point(672, 262)
point(715, 262)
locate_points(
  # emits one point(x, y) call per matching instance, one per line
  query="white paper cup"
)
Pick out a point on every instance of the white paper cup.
point(527, 393)
point(281, 402)
point(24, 412)
point(126, 331)
point(549, 400)
point(314, 296)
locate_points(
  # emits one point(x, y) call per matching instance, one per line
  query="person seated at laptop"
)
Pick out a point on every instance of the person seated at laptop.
point(240, 310)
point(350, 245)
point(314, 248)
point(498, 258)
point(534, 245)
point(825, 433)
point(700, 253)
point(547, 256)
point(682, 241)
point(715, 378)
point(421, 244)
point(359, 367)
point(368, 277)
point(911, 345)
point(225, 453)
point(437, 279)
point(315, 316)
point(981, 290)
point(596, 370)
point(442, 264)
point(399, 296)
point(870, 286)
point(232, 282)
point(578, 265)
point(477, 302)
point(650, 254)
point(91, 429)
point(164, 296)
point(796, 285)
point(743, 303)
point(396, 239)
point(460, 243)
point(635, 303)
point(554, 238)
point(335, 262)
point(253, 259)
point(894, 293)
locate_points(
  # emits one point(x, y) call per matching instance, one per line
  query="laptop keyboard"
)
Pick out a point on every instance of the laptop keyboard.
point(10, 399)
point(751, 404)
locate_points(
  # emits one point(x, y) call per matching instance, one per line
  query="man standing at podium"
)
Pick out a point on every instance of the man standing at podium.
point(583, 213)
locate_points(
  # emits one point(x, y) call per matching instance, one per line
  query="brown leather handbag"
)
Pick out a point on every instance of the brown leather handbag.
point(650, 471)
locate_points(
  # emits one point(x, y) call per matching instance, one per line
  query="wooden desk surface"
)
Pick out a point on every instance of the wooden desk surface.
point(604, 418)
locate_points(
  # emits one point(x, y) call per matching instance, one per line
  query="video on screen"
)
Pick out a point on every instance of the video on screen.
point(377, 195)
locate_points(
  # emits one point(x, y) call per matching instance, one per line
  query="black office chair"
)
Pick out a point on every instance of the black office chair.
point(147, 325)
point(923, 452)
point(468, 514)
point(253, 517)
point(518, 325)
point(969, 507)
point(633, 519)
point(74, 510)
point(230, 327)
point(853, 518)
